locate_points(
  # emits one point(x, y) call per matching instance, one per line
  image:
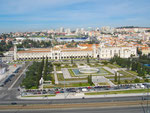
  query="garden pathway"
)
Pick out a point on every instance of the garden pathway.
point(66, 73)
point(101, 79)
point(55, 75)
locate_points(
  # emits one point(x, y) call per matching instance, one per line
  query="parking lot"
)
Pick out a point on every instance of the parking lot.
point(54, 91)
point(9, 75)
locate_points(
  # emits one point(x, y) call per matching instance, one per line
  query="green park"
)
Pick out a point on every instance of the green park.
point(85, 72)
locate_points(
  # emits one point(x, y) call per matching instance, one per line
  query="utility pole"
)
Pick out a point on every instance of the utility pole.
point(64, 89)
point(146, 109)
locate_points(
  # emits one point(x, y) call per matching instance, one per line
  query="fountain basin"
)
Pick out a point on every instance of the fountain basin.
point(88, 70)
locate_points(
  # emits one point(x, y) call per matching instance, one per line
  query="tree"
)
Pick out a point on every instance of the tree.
point(126, 81)
point(1, 54)
point(50, 67)
point(32, 76)
point(138, 67)
point(50, 36)
point(116, 77)
point(137, 80)
point(58, 64)
point(139, 52)
point(91, 83)
point(42, 63)
point(105, 62)
point(87, 59)
point(5, 46)
point(136, 64)
point(128, 64)
point(112, 60)
point(45, 69)
point(80, 84)
point(40, 70)
point(119, 79)
point(36, 44)
point(37, 81)
point(90, 80)
point(146, 80)
point(143, 71)
point(71, 60)
point(133, 66)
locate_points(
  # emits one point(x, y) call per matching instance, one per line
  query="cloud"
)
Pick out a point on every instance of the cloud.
point(29, 6)
point(73, 12)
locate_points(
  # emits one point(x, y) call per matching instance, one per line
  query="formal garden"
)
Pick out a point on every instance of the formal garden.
point(74, 73)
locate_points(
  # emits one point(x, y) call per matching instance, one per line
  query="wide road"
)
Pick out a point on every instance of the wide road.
point(9, 91)
point(84, 110)
point(67, 101)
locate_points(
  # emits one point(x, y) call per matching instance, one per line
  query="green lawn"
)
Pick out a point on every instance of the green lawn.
point(109, 73)
point(81, 64)
point(68, 85)
point(40, 96)
point(133, 72)
point(93, 74)
point(60, 77)
point(48, 86)
point(104, 84)
point(109, 77)
point(79, 84)
point(125, 74)
point(118, 92)
point(74, 79)
point(58, 68)
point(69, 66)
point(94, 65)
point(113, 66)
point(129, 81)
point(52, 76)
point(110, 66)
point(117, 65)
point(71, 73)
point(33, 87)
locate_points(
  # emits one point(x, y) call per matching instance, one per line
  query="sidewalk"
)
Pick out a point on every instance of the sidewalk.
point(55, 75)
point(81, 95)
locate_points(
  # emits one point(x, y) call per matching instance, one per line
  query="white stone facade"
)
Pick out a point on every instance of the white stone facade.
point(64, 53)
point(123, 52)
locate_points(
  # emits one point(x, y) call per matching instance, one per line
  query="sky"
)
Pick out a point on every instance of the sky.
point(33, 15)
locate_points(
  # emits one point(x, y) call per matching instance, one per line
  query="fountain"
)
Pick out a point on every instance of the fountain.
point(88, 70)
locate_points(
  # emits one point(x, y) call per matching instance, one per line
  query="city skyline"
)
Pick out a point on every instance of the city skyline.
point(25, 15)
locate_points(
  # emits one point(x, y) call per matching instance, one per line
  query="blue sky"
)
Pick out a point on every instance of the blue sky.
point(30, 15)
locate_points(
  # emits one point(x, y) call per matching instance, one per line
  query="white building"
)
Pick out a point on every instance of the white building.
point(95, 51)
point(77, 31)
point(123, 52)
point(82, 31)
point(68, 31)
point(61, 30)
point(3, 68)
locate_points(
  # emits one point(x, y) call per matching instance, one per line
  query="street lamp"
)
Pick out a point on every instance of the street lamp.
point(146, 110)
point(64, 88)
